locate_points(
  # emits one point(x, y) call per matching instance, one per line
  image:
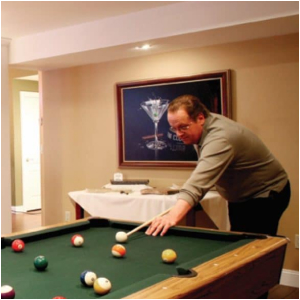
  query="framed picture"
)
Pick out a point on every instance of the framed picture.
point(144, 135)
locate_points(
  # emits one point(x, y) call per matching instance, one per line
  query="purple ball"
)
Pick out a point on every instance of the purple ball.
point(7, 292)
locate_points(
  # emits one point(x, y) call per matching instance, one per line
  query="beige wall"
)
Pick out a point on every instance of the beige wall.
point(6, 226)
point(17, 87)
point(80, 126)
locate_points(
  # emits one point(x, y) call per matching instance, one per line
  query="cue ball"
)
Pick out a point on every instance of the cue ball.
point(40, 263)
point(102, 286)
point(118, 250)
point(18, 245)
point(121, 237)
point(168, 256)
point(88, 278)
point(7, 292)
point(77, 240)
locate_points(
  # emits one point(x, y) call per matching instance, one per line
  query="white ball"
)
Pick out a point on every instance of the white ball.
point(121, 237)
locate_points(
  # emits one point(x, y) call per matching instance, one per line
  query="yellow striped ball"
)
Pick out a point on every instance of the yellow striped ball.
point(102, 286)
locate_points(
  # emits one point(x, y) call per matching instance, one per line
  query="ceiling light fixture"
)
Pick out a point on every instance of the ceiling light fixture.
point(144, 47)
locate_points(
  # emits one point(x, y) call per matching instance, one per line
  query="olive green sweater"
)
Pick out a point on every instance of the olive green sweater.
point(235, 161)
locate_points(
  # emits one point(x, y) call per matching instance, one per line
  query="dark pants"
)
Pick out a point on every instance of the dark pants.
point(259, 215)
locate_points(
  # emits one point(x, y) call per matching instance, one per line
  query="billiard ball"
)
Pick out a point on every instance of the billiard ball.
point(7, 292)
point(118, 250)
point(88, 278)
point(102, 286)
point(77, 240)
point(121, 237)
point(59, 297)
point(18, 245)
point(168, 256)
point(40, 263)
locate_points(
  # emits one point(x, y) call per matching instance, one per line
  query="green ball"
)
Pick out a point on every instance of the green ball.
point(40, 262)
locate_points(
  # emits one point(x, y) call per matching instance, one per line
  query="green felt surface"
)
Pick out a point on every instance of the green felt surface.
point(142, 266)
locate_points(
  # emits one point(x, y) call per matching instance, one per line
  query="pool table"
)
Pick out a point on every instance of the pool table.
point(210, 263)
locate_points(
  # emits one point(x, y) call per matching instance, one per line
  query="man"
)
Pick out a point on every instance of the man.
point(235, 161)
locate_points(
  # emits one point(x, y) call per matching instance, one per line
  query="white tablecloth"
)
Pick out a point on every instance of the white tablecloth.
point(137, 207)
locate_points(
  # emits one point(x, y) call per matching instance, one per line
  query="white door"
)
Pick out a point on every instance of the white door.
point(30, 141)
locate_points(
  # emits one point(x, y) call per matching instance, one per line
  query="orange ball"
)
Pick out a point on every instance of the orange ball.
point(168, 256)
point(118, 250)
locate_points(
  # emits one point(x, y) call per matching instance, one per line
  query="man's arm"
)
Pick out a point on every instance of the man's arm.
point(216, 155)
point(162, 224)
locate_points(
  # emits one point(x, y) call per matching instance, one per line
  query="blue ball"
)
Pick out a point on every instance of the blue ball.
point(87, 278)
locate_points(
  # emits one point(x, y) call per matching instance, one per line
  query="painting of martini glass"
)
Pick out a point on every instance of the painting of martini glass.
point(145, 138)
point(155, 108)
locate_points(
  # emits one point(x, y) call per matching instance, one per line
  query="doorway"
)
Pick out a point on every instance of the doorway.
point(30, 150)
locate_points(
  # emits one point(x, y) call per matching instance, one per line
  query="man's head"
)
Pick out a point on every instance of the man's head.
point(186, 116)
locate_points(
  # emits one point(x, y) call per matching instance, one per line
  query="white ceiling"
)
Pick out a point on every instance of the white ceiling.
point(21, 18)
point(56, 34)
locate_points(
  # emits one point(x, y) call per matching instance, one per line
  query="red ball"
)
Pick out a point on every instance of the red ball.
point(18, 245)
point(77, 240)
point(59, 297)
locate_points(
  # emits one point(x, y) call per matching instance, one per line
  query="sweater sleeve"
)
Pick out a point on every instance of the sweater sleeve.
point(214, 157)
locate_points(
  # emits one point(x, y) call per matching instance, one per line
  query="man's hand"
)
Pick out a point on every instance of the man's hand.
point(162, 224)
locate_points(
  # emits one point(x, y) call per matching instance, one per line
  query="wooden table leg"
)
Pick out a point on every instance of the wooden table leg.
point(79, 211)
point(203, 218)
point(191, 218)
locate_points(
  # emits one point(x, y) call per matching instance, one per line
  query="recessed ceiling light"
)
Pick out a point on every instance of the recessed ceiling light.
point(144, 47)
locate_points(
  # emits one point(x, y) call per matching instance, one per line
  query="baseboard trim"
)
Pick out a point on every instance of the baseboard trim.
point(290, 278)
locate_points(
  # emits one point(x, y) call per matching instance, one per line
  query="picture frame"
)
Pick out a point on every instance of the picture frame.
point(144, 136)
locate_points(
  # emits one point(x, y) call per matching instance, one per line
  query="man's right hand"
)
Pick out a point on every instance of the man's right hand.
point(162, 224)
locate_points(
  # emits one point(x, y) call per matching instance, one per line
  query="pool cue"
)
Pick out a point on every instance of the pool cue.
point(148, 222)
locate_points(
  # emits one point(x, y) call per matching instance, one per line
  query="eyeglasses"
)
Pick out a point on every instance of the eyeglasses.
point(182, 128)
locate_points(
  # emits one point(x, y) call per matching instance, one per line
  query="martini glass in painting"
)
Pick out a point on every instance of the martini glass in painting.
point(155, 108)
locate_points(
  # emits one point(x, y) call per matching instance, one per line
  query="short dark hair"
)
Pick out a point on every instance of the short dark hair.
point(191, 104)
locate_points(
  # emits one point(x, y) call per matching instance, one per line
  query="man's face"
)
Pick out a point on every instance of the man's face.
point(188, 130)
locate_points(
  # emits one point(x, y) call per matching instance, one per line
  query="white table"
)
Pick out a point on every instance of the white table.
point(140, 208)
